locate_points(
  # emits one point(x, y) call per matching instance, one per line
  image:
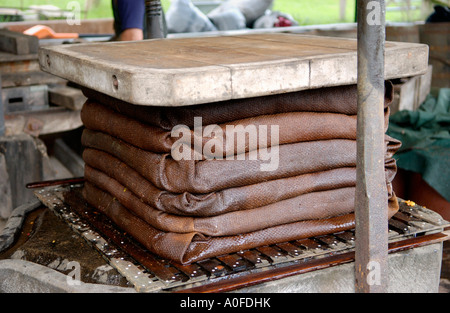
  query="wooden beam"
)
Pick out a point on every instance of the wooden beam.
point(68, 97)
point(18, 43)
point(50, 121)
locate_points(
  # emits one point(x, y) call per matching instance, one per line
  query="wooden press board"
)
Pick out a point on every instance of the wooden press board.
point(186, 71)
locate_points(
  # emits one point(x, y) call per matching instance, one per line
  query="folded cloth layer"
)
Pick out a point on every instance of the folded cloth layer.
point(314, 205)
point(219, 202)
point(293, 127)
point(190, 247)
point(341, 99)
point(222, 201)
point(253, 133)
point(221, 197)
point(212, 175)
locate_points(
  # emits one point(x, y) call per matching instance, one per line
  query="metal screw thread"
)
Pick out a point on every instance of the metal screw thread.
point(155, 20)
point(153, 7)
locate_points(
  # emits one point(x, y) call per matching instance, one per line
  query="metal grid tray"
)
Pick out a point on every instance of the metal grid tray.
point(150, 273)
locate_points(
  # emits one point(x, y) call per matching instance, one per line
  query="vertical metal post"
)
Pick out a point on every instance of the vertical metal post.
point(371, 196)
point(2, 112)
point(155, 24)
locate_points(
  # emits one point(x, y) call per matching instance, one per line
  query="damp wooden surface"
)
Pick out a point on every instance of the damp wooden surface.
point(187, 71)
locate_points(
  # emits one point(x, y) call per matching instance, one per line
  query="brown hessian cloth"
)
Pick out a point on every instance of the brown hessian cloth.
point(292, 127)
point(340, 99)
point(102, 165)
point(191, 247)
point(203, 176)
point(314, 205)
point(218, 201)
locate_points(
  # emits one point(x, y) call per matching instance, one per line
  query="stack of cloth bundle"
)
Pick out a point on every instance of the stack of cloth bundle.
point(189, 209)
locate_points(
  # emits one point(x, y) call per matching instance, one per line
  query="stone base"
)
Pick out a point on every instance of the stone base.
point(411, 271)
point(48, 241)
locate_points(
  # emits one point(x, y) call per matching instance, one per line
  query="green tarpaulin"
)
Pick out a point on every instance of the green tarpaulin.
point(425, 136)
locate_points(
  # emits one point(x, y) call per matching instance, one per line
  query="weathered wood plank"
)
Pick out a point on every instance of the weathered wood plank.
point(25, 98)
point(186, 71)
point(87, 26)
point(24, 164)
point(29, 78)
point(50, 121)
point(11, 63)
point(66, 96)
point(5, 190)
point(18, 43)
point(410, 93)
